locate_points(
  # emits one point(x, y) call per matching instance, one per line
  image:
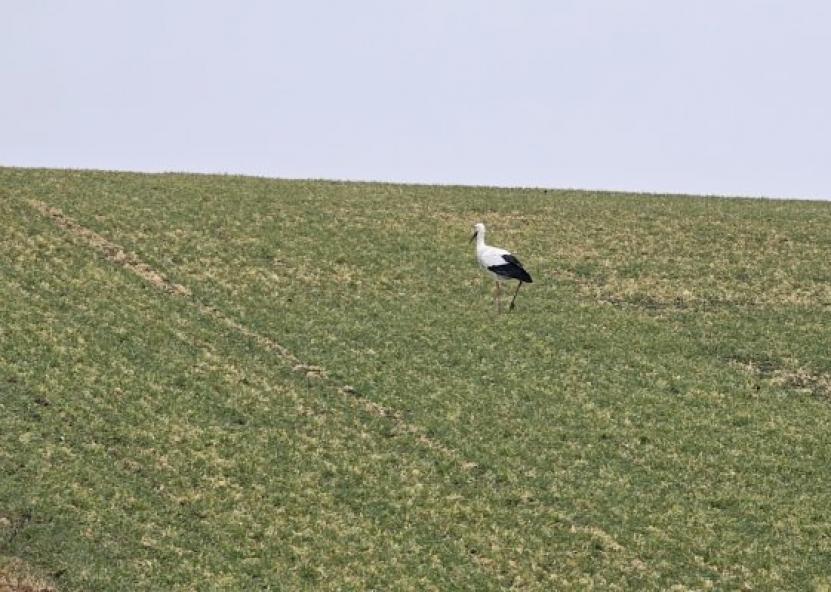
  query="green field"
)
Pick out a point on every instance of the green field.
point(229, 383)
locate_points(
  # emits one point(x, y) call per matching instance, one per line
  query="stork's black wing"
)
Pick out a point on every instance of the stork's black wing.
point(512, 268)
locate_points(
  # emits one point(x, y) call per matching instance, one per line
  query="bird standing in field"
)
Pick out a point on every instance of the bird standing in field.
point(499, 264)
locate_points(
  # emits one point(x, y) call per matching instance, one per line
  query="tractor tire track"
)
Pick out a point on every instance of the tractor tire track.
point(132, 263)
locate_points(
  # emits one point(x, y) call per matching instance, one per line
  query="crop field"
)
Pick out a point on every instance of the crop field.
point(230, 383)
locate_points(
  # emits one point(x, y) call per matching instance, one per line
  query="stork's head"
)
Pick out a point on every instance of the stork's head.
point(478, 229)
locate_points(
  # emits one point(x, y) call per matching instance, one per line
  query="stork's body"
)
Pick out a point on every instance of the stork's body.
point(500, 264)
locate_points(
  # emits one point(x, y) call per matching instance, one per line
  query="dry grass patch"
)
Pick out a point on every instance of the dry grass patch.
point(17, 576)
point(787, 374)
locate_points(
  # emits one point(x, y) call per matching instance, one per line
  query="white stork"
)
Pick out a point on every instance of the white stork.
point(499, 264)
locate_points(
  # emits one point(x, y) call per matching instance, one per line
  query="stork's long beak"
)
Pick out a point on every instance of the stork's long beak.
point(473, 237)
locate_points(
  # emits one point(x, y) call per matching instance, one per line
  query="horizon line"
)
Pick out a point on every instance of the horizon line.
point(507, 187)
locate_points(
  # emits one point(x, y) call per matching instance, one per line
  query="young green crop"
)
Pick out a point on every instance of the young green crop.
point(653, 414)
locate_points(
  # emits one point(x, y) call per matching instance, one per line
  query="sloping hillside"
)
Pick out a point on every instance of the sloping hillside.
point(213, 382)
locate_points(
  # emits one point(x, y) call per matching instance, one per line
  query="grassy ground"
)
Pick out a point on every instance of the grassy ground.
point(654, 414)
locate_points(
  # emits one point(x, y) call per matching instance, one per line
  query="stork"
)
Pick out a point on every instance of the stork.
point(500, 264)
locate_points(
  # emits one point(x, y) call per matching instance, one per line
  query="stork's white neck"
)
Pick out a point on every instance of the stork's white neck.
point(480, 239)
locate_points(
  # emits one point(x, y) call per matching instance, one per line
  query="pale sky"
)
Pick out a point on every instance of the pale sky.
point(728, 97)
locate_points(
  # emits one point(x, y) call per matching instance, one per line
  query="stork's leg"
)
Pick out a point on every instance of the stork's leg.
point(518, 286)
point(498, 302)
